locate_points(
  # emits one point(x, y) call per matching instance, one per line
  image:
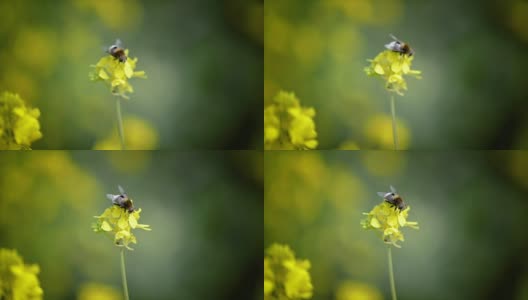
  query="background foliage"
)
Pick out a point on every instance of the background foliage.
point(203, 208)
point(471, 208)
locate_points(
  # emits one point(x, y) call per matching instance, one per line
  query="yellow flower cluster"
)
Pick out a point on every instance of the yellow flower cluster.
point(119, 222)
point(284, 276)
point(19, 125)
point(116, 74)
point(387, 220)
point(18, 281)
point(392, 66)
point(288, 125)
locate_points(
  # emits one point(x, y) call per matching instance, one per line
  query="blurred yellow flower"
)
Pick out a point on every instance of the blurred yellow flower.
point(288, 125)
point(19, 125)
point(353, 290)
point(269, 278)
point(139, 135)
point(18, 281)
point(391, 66)
point(118, 222)
point(378, 131)
point(97, 291)
point(116, 74)
point(387, 220)
point(285, 277)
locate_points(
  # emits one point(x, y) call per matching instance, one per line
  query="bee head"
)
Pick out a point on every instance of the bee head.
point(112, 48)
point(390, 196)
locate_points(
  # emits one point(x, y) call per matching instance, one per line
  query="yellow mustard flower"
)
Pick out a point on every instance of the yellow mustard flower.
point(119, 220)
point(97, 291)
point(139, 135)
point(387, 219)
point(288, 125)
point(391, 66)
point(19, 125)
point(355, 290)
point(269, 278)
point(285, 277)
point(116, 74)
point(378, 132)
point(18, 281)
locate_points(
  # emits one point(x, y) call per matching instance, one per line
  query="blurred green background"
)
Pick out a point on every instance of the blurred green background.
point(203, 60)
point(205, 210)
point(471, 207)
point(472, 55)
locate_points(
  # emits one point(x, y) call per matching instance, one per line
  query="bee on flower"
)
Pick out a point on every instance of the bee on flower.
point(392, 65)
point(388, 217)
point(115, 69)
point(119, 220)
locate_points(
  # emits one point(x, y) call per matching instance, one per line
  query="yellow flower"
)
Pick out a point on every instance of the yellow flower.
point(298, 283)
point(97, 291)
point(288, 125)
point(387, 220)
point(18, 281)
point(378, 131)
point(392, 66)
point(116, 74)
point(139, 135)
point(119, 222)
point(269, 286)
point(285, 277)
point(354, 290)
point(19, 125)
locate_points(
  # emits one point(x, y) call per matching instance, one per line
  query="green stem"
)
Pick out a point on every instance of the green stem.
point(120, 124)
point(123, 273)
point(391, 274)
point(394, 125)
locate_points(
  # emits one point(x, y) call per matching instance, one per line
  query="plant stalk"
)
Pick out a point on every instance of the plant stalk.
point(120, 124)
point(394, 125)
point(391, 274)
point(123, 274)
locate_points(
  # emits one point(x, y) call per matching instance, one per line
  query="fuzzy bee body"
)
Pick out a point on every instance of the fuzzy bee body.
point(393, 198)
point(117, 51)
point(399, 46)
point(122, 200)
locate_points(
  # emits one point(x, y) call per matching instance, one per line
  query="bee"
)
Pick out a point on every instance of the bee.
point(393, 198)
point(117, 51)
point(399, 46)
point(122, 200)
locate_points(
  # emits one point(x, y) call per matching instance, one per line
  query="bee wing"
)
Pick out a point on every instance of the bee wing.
point(381, 194)
point(112, 197)
point(395, 38)
point(119, 43)
point(121, 190)
point(394, 46)
point(393, 189)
